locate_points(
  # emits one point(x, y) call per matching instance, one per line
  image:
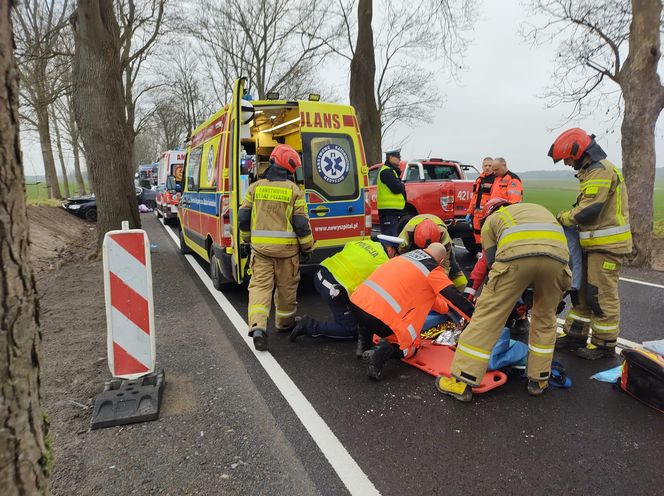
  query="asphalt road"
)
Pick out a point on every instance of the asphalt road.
point(408, 439)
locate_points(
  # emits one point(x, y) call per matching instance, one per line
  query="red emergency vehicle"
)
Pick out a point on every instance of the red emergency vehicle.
point(434, 186)
point(169, 184)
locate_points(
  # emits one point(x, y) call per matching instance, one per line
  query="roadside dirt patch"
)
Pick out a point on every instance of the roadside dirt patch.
point(56, 235)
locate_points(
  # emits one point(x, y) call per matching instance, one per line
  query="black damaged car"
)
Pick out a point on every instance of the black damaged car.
point(85, 207)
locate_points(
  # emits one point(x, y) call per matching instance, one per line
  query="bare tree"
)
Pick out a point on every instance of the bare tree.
point(271, 42)
point(593, 56)
point(61, 156)
point(38, 25)
point(142, 23)
point(393, 79)
point(23, 466)
point(98, 90)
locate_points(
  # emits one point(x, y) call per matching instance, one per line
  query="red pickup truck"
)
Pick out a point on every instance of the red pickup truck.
point(434, 186)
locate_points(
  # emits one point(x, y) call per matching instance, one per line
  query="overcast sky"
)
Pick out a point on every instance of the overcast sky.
point(494, 109)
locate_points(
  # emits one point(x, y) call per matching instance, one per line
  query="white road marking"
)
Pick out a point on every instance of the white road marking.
point(644, 283)
point(350, 473)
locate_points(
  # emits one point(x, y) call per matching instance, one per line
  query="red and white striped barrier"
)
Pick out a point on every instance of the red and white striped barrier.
point(129, 306)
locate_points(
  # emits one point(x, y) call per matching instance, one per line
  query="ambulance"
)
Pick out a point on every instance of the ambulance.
point(232, 148)
point(169, 180)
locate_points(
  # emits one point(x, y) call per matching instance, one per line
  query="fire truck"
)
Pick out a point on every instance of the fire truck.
point(232, 148)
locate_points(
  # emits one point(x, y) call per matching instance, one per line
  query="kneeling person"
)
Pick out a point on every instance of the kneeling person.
point(424, 229)
point(525, 247)
point(337, 279)
point(396, 299)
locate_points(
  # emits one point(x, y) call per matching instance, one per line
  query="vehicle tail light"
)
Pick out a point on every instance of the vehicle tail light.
point(226, 234)
point(367, 211)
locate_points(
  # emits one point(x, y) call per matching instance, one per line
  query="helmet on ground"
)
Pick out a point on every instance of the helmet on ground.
point(425, 233)
point(493, 205)
point(286, 157)
point(571, 144)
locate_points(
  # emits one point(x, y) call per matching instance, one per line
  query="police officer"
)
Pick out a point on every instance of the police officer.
point(395, 300)
point(525, 247)
point(390, 193)
point(422, 230)
point(601, 215)
point(506, 185)
point(337, 279)
point(273, 218)
point(480, 195)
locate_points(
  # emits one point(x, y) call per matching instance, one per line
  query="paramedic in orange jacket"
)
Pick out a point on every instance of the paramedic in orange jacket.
point(507, 185)
point(481, 194)
point(396, 299)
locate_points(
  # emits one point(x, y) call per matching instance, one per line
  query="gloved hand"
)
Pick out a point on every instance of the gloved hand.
point(468, 219)
point(564, 219)
point(305, 256)
point(245, 251)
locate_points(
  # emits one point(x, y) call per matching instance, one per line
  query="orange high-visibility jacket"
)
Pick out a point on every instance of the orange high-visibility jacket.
point(508, 187)
point(402, 291)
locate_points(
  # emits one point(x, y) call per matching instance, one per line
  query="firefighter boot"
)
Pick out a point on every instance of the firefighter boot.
point(536, 388)
point(301, 326)
point(260, 339)
point(594, 352)
point(363, 342)
point(376, 357)
point(567, 342)
point(457, 389)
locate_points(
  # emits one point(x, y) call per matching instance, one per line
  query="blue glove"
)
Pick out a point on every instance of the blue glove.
point(468, 218)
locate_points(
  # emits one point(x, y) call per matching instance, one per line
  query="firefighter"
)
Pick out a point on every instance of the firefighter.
point(390, 194)
point(273, 218)
point(422, 230)
point(525, 247)
point(506, 185)
point(601, 216)
point(480, 195)
point(338, 277)
point(396, 299)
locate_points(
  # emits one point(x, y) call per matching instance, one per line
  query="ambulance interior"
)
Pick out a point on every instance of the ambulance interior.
point(274, 124)
point(271, 125)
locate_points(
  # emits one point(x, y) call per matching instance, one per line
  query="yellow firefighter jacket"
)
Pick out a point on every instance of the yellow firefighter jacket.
point(523, 230)
point(273, 217)
point(601, 212)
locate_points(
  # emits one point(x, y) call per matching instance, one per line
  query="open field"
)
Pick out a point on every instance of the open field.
point(557, 195)
point(37, 192)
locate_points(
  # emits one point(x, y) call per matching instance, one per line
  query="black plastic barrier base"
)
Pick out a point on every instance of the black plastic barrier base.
point(125, 401)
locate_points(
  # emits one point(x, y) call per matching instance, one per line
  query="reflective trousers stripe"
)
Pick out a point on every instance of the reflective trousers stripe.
point(258, 309)
point(541, 350)
point(578, 317)
point(279, 313)
point(472, 352)
point(600, 327)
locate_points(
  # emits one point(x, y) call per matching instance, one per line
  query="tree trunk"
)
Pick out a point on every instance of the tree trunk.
point(44, 130)
point(362, 79)
point(644, 99)
point(98, 91)
point(80, 183)
point(23, 464)
point(61, 157)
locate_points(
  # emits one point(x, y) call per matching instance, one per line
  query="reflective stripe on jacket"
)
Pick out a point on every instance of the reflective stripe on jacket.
point(508, 187)
point(481, 192)
point(523, 230)
point(385, 198)
point(401, 292)
point(273, 218)
point(601, 213)
point(357, 261)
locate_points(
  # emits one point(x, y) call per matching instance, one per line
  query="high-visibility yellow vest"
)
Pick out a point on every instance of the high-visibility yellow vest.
point(385, 199)
point(357, 261)
point(524, 230)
